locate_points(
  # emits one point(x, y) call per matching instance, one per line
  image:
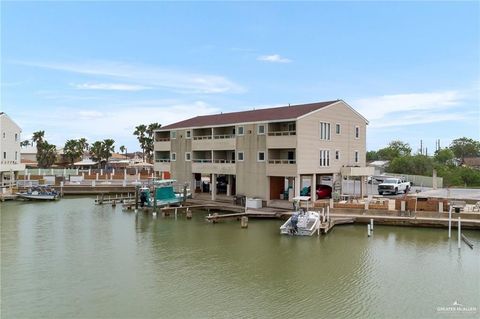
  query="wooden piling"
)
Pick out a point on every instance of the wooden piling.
point(189, 214)
point(244, 222)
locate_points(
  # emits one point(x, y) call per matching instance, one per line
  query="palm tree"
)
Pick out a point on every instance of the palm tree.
point(25, 143)
point(72, 150)
point(96, 152)
point(122, 149)
point(107, 149)
point(38, 137)
point(140, 133)
point(47, 155)
point(150, 139)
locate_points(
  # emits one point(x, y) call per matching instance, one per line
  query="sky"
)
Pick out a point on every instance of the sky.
point(98, 69)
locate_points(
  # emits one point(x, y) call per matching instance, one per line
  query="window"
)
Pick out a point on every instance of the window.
point(337, 128)
point(3, 134)
point(173, 134)
point(188, 134)
point(16, 137)
point(357, 132)
point(4, 155)
point(324, 131)
point(174, 157)
point(261, 157)
point(356, 156)
point(260, 129)
point(337, 155)
point(324, 158)
point(188, 156)
point(240, 156)
point(16, 156)
point(241, 130)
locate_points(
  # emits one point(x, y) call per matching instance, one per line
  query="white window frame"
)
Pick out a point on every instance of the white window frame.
point(173, 157)
point(337, 125)
point(238, 156)
point(189, 158)
point(357, 130)
point(324, 159)
point(337, 155)
point(264, 129)
point(356, 157)
point(188, 134)
point(325, 131)
point(173, 135)
point(238, 130)
point(258, 156)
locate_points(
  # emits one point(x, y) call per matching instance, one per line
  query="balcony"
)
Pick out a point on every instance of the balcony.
point(282, 135)
point(282, 162)
point(162, 165)
point(162, 145)
point(213, 142)
point(209, 166)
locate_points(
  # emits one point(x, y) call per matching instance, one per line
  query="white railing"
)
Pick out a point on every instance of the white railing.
point(162, 139)
point(5, 162)
point(223, 136)
point(281, 161)
point(282, 133)
point(222, 161)
point(202, 160)
point(51, 171)
point(162, 160)
point(203, 137)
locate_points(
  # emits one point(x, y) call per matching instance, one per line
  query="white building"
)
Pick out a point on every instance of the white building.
point(10, 163)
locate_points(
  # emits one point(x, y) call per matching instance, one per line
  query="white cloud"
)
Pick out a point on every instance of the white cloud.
point(89, 114)
point(110, 86)
point(274, 58)
point(410, 108)
point(150, 76)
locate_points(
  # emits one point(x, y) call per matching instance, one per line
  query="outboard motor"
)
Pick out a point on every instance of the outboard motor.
point(143, 198)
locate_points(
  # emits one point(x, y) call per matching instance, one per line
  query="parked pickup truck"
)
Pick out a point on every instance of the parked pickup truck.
point(393, 186)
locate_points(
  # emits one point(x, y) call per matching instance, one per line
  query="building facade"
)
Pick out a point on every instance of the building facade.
point(10, 163)
point(268, 153)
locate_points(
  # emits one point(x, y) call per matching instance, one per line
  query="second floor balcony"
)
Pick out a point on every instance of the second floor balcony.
point(209, 162)
point(216, 138)
point(282, 135)
point(282, 162)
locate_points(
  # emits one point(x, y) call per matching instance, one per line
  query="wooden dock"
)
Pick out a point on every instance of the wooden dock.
point(4, 197)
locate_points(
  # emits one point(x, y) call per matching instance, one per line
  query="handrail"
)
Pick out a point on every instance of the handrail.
point(222, 161)
point(281, 161)
point(202, 160)
point(203, 137)
point(162, 160)
point(282, 133)
point(224, 136)
point(162, 139)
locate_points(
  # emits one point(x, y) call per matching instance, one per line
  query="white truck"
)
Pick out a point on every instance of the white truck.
point(393, 186)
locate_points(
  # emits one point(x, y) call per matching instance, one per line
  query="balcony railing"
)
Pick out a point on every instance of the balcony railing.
point(9, 162)
point(162, 139)
point(223, 136)
point(282, 161)
point(282, 133)
point(202, 160)
point(222, 161)
point(203, 137)
point(162, 160)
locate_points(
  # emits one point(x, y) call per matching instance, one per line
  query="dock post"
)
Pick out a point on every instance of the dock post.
point(368, 230)
point(189, 213)
point(371, 224)
point(114, 203)
point(459, 233)
point(450, 222)
point(136, 198)
point(323, 214)
point(244, 222)
point(154, 201)
point(176, 213)
point(328, 213)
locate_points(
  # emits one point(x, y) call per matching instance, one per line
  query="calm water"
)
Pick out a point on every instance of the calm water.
point(72, 259)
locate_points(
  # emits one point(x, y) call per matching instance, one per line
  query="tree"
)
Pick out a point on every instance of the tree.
point(38, 137)
point(107, 149)
point(150, 139)
point(73, 150)
point(414, 165)
point(372, 156)
point(46, 155)
point(96, 152)
point(140, 131)
point(444, 156)
point(25, 143)
point(465, 147)
point(393, 150)
point(123, 149)
point(83, 144)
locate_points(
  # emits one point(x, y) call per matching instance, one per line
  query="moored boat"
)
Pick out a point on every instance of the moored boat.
point(303, 222)
point(41, 192)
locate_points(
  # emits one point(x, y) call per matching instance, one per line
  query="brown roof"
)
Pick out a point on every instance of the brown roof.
point(472, 161)
point(270, 114)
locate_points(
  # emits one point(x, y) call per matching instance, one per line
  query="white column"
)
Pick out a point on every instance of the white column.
point(434, 179)
point(101, 171)
point(113, 171)
point(125, 174)
point(96, 177)
point(297, 186)
point(229, 185)
point(313, 188)
point(213, 186)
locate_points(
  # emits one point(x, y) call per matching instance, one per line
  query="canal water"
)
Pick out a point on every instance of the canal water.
point(72, 259)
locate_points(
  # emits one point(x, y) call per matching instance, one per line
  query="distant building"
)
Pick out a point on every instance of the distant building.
point(267, 153)
point(473, 162)
point(10, 163)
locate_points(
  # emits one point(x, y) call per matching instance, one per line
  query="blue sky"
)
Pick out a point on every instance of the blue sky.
point(98, 69)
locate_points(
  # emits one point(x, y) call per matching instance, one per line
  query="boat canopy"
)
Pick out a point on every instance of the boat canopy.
point(302, 198)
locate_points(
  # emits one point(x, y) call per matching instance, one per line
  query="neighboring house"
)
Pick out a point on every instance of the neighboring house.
point(29, 154)
point(265, 153)
point(379, 166)
point(473, 162)
point(10, 164)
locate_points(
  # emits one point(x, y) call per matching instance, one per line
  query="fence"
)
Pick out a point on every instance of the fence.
point(420, 180)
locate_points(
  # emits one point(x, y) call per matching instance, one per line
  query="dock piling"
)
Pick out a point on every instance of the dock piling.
point(371, 224)
point(459, 233)
point(244, 222)
point(368, 230)
point(189, 214)
point(450, 222)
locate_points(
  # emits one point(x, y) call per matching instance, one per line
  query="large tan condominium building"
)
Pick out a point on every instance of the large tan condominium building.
point(267, 153)
point(10, 164)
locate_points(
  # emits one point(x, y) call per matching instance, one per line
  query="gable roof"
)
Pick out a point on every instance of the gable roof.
point(270, 114)
point(5, 116)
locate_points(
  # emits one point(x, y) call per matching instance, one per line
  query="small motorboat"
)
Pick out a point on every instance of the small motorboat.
point(303, 222)
point(41, 192)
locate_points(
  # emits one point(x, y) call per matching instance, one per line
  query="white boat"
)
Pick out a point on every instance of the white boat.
point(43, 192)
point(303, 222)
